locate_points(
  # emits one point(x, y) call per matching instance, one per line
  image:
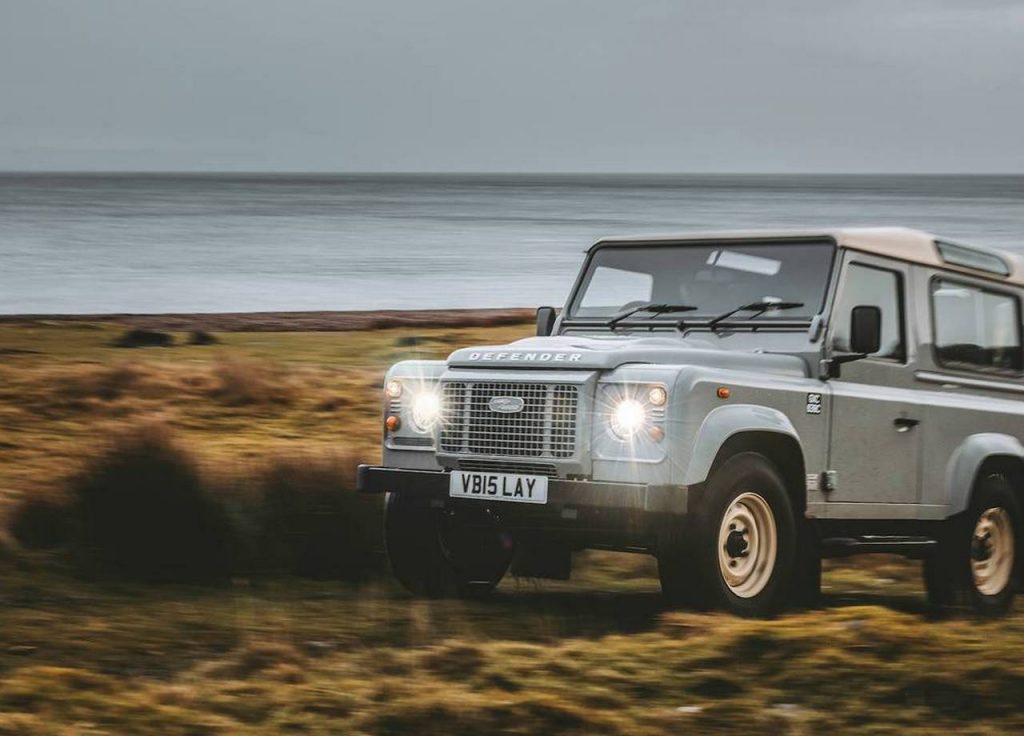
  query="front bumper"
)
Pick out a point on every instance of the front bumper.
point(567, 500)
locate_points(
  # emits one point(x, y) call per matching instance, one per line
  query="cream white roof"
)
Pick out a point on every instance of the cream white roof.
point(905, 244)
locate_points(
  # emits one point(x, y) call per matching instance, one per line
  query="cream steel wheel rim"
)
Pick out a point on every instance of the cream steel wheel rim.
point(992, 551)
point(747, 545)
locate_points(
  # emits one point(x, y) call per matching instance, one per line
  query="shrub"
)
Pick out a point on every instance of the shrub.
point(142, 513)
point(201, 337)
point(144, 339)
point(314, 524)
point(141, 510)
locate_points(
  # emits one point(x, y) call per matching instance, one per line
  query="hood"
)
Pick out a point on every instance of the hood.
point(576, 352)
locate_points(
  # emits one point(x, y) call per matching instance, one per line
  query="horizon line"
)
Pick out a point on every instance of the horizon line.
point(340, 173)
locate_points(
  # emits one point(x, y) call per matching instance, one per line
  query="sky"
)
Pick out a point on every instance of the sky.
point(916, 86)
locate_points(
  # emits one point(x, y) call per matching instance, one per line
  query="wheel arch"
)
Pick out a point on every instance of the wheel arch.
point(976, 456)
point(730, 430)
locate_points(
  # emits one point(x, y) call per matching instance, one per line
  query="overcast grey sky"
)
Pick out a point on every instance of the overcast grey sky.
point(523, 85)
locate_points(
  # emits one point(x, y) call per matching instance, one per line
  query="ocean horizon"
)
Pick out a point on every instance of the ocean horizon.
point(104, 242)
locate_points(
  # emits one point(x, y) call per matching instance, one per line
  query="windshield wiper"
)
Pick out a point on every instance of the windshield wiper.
point(758, 308)
point(652, 308)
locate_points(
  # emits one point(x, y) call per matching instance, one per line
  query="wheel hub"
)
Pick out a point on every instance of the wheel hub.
point(747, 545)
point(736, 544)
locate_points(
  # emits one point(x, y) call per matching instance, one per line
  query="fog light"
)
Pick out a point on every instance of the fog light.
point(627, 419)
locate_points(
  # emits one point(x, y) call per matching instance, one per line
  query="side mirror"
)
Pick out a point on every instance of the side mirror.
point(865, 339)
point(545, 321)
point(865, 330)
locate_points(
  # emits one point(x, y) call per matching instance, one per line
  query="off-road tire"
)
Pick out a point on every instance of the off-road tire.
point(691, 570)
point(948, 573)
point(438, 554)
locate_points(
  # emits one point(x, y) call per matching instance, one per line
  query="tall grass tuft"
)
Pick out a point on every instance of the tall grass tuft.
point(249, 382)
point(106, 383)
point(142, 512)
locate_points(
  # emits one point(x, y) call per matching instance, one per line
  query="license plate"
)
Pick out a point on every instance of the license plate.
point(499, 487)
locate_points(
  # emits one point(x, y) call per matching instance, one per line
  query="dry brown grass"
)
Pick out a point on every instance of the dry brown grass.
point(260, 664)
point(273, 653)
point(63, 388)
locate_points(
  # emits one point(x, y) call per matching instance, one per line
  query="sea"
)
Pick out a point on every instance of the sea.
point(115, 243)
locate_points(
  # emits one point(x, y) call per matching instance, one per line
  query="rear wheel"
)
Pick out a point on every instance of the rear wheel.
point(740, 551)
point(978, 561)
point(440, 553)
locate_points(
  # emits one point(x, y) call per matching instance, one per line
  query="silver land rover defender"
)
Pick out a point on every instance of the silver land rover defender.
point(739, 405)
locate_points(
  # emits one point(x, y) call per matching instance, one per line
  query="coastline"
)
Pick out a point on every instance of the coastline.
point(320, 321)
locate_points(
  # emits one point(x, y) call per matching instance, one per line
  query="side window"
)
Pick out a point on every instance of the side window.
point(870, 286)
point(975, 329)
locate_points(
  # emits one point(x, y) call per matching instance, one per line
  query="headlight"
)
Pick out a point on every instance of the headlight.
point(628, 417)
point(426, 410)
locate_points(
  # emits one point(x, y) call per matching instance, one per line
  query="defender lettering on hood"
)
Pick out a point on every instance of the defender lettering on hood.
point(578, 352)
point(525, 357)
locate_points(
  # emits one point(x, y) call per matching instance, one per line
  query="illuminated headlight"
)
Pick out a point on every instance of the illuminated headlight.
point(426, 410)
point(628, 417)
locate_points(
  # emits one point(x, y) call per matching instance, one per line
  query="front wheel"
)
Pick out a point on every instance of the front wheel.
point(742, 544)
point(438, 553)
point(978, 561)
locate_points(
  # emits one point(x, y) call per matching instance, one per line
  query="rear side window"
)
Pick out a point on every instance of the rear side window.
point(975, 329)
point(876, 287)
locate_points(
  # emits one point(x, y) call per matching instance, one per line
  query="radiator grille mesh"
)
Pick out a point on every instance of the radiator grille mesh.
point(544, 427)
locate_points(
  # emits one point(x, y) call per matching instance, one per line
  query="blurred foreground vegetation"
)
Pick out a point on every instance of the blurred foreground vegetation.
point(223, 472)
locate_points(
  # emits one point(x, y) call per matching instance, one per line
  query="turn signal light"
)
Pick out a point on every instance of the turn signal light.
point(724, 392)
point(656, 433)
point(392, 423)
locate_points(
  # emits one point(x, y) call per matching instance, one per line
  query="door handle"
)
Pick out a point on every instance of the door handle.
point(905, 424)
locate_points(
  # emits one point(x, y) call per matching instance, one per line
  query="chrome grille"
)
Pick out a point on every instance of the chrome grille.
point(544, 427)
point(505, 466)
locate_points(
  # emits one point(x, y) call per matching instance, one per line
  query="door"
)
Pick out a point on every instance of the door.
point(875, 439)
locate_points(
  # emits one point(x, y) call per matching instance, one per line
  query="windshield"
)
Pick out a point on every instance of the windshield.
point(713, 277)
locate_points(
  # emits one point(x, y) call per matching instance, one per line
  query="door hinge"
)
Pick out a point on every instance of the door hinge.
point(829, 481)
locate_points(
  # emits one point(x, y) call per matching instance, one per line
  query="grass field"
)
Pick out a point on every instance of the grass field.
point(597, 655)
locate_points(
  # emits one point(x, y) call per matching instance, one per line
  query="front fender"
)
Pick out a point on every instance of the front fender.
point(967, 460)
point(722, 423)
